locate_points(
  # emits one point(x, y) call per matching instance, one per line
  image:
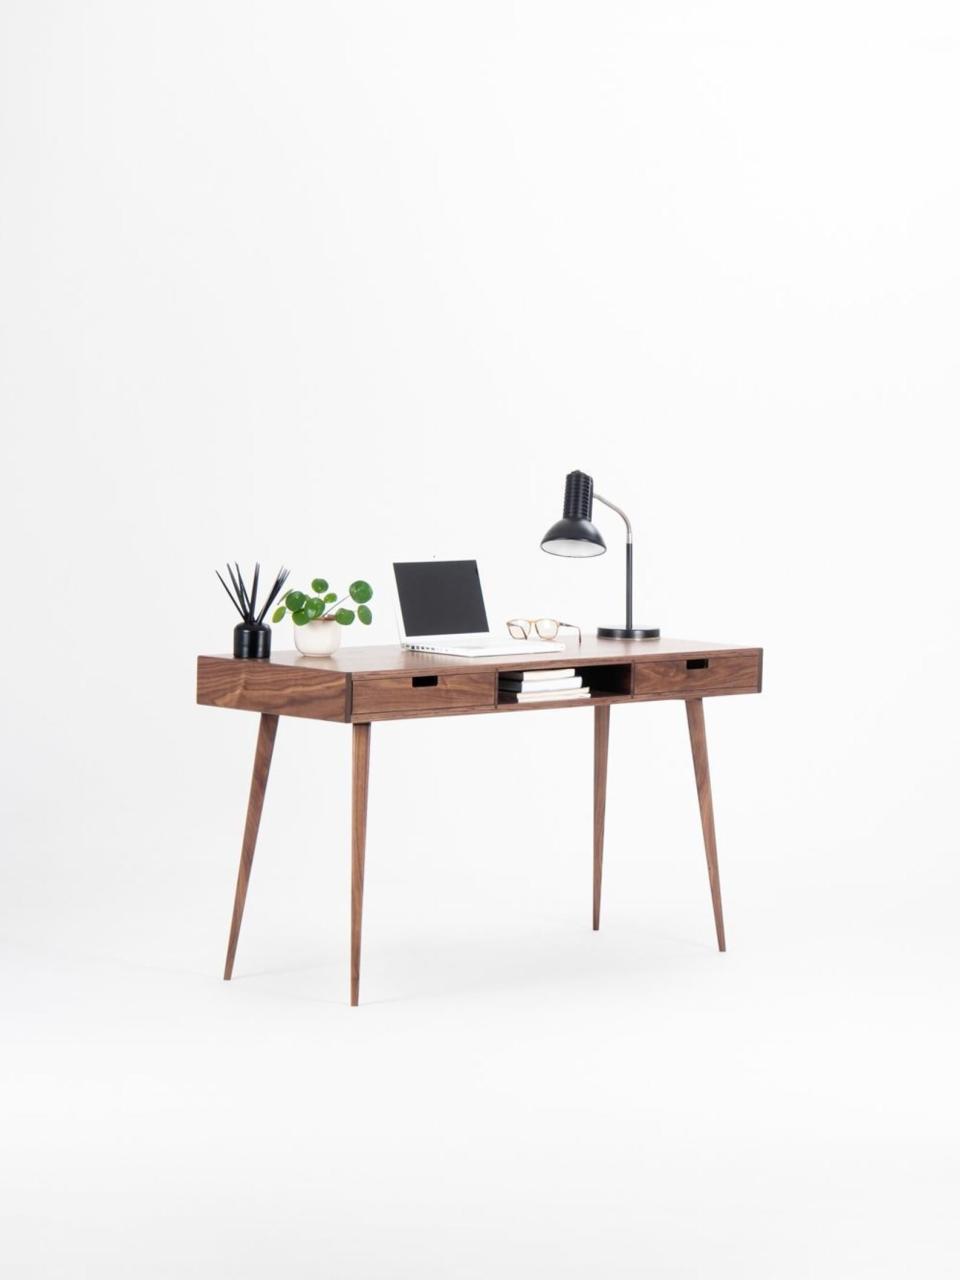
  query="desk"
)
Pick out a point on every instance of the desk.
point(358, 686)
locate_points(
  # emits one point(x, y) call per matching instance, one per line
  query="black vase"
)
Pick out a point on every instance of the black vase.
point(251, 641)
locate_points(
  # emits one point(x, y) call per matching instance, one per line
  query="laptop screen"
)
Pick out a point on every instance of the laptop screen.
point(440, 597)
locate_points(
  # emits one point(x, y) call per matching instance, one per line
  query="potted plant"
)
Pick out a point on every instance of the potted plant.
point(317, 618)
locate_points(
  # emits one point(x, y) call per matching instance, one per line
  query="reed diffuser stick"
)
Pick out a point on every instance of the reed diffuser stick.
point(236, 587)
point(230, 594)
point(273, 593)
point(244, 598)
point(253, 592)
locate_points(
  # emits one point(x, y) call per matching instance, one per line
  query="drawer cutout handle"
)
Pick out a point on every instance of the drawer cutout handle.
point(424, 682)
point(697, 664)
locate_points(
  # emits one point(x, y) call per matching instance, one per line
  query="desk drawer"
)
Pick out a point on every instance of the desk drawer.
point(428, 691)
point(730, 673)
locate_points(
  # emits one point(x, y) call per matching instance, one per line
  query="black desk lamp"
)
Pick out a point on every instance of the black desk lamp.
point(577, 535)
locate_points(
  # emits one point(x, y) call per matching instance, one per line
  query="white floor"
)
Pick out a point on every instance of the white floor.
point(516, 1096)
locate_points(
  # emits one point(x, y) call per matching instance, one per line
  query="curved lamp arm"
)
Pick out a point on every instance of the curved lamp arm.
point(620, 512)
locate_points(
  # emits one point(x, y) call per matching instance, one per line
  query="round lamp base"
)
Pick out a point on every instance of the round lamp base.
point(628, 633)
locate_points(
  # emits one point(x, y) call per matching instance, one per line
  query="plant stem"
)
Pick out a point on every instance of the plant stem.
point(326, 617)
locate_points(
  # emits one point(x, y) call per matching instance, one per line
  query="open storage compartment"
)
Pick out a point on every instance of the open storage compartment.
point(606, 682)
point(611, 680)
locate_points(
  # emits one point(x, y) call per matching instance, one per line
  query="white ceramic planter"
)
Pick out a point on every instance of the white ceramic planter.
point(318, 639)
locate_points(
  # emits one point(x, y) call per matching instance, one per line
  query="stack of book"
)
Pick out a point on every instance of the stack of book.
point(559, 685)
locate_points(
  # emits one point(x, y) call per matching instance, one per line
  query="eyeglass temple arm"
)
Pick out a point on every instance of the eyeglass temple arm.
point(626, 520)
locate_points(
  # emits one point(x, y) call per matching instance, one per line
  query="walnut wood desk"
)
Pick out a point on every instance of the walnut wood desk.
point(359, 686)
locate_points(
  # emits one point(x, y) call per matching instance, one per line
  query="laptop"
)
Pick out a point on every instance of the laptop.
point(442, 611)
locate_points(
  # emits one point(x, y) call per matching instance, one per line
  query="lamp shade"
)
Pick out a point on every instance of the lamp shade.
point(575, 534)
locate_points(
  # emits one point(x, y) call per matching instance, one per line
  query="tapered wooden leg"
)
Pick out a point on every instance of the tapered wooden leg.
point(258, 787)
point(361, 777)
point(601, 738)
point(701, 769)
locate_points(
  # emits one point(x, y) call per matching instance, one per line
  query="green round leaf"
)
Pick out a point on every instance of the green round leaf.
point(295, 600)
point(361, 591)
point(279, 614)
point(313, 608)
point(364, 614)
point(344, 617)
point(329, 599)
point(320, 585)
point(301, 617)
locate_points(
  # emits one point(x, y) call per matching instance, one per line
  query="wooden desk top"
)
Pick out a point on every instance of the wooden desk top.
point(391, 659)
point(388, 682)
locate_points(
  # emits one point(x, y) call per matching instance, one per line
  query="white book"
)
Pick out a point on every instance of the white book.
point(549, 695)
point(544, 673)
point(534, 686)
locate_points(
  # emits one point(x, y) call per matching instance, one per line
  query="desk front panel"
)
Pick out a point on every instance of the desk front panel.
point(345, 688)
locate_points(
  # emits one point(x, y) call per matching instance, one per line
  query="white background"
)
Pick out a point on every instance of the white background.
point(333, 284)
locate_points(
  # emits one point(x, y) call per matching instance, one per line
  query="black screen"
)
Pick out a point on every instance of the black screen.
point(440, 597)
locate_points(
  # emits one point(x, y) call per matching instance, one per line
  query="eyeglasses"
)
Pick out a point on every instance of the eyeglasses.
point(545, 628)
